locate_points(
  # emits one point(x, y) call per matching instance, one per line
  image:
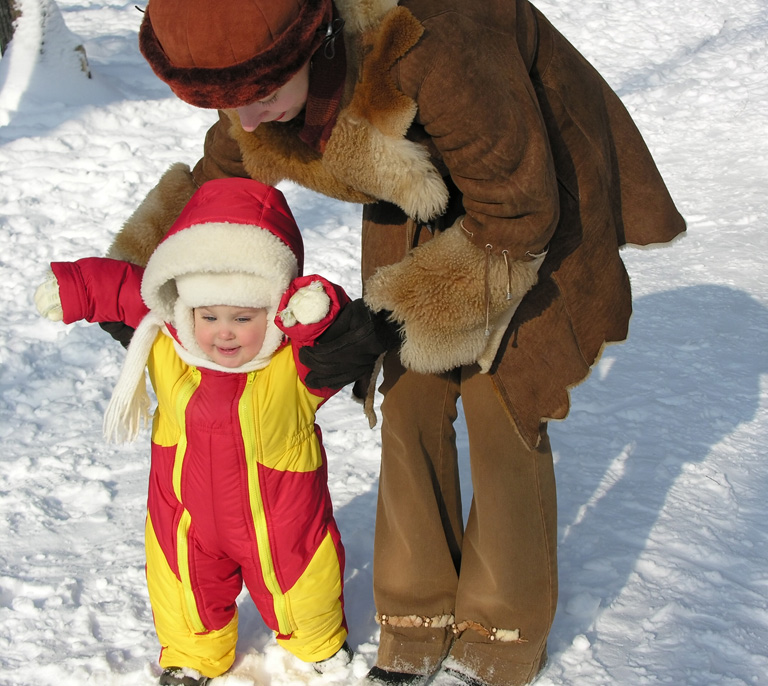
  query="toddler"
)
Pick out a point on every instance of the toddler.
point(238, 487)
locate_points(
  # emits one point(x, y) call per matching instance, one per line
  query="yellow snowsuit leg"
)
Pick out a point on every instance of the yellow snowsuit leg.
point(314, 604)
point(185, 642)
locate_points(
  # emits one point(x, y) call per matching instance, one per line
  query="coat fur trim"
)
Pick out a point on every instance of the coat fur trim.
point(149, 223)
point(362, 15)
point(449, 322)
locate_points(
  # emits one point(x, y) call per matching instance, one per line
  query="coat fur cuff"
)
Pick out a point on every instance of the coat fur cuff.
point(453, 299)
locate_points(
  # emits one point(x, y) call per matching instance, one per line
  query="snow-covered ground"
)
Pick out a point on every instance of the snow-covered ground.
point(661, 467)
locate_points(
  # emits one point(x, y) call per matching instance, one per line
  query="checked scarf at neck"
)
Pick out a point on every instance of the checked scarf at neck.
point(326, 86)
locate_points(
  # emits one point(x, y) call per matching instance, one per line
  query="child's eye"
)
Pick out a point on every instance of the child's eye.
point(208, 318)
point(243, 320)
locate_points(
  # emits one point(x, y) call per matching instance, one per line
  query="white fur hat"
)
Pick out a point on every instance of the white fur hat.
point(235, 243)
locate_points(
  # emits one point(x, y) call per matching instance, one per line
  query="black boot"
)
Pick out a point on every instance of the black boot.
point(383, 677)
point(452, 677)
point(180, 676)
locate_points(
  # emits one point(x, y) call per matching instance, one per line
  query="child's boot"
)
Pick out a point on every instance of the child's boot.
point(182, 676)
point(341, 658)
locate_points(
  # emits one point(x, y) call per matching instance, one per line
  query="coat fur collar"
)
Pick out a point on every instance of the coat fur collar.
point(368, 157)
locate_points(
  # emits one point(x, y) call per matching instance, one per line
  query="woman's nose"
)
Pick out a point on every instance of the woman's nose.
point(252, 115)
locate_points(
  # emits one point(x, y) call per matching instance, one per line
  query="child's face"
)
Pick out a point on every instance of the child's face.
point(230, 335)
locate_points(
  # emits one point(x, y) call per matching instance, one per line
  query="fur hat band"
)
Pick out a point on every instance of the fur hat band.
point(201, 289)
point(230, 54)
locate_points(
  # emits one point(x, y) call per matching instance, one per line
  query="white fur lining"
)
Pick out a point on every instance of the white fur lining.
point(215, 247)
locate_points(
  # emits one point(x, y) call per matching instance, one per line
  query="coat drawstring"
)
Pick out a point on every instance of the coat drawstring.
point(505, 254)
point(488, 248)
point(507, 264)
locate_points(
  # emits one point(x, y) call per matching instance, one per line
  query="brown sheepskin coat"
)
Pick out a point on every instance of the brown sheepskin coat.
point(478, 124)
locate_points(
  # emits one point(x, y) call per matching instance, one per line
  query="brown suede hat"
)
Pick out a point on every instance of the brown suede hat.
point(229, 53)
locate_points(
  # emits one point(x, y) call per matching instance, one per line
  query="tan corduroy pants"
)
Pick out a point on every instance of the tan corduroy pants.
point(486, 595)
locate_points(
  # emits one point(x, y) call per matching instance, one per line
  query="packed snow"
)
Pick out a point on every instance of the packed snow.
point(661, 466)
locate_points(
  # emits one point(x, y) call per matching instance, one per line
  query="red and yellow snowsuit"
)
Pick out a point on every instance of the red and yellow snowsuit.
point(238, 488)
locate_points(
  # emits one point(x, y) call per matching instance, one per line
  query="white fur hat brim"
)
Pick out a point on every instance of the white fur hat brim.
point(217, 248)
point(203, 289)
point(219, 264)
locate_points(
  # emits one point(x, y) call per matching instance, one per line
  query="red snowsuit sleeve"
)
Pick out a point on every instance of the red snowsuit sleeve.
point(300, 335)
point(98, 289)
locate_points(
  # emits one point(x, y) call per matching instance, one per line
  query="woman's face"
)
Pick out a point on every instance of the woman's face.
point(282, 105)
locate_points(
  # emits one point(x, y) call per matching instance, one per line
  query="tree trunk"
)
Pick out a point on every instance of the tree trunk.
point(8, 14)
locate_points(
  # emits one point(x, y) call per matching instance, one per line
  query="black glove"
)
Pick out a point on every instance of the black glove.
point(348, 349)
point(120, 331)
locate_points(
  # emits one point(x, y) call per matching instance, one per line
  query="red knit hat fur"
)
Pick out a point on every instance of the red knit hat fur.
point(230, 53)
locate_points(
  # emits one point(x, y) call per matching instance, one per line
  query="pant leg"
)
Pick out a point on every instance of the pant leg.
point(195, 611)
point(314, 604)
point(508, 580)
point(419, 519)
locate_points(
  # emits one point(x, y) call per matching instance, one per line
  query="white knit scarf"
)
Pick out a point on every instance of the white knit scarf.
point(128, 409)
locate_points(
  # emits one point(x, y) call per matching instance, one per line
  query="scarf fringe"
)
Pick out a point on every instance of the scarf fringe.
point(128, 409)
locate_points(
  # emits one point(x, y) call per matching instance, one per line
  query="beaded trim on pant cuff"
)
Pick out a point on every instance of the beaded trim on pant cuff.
point(492, 634)
point(411, 621)
point(448, 621)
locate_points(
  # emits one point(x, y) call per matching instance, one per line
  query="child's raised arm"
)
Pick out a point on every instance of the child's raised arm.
point(96, 289)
